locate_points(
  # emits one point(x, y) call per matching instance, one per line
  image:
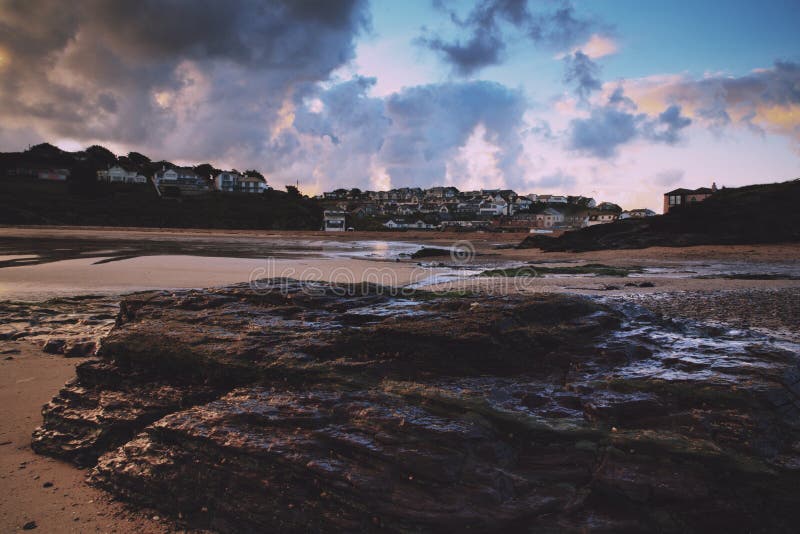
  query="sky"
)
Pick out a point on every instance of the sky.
point(619, 100)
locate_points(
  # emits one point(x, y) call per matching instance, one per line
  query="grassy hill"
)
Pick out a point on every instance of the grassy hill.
point(82, 200)
point(26, 200)
point(768, 213)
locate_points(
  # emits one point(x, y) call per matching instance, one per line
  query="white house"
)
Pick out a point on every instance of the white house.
point(233, 182)
point(334, 221)
point(637, 213)
point(119, 175)
point(493, 206)
point(522, 204)
point(400, 224)
point(549, 218)
point(252, 184)
point(391, 224)
point(601, 217)
point(182, 181)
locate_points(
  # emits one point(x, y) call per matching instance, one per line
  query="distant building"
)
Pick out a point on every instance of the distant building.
point(601, 217)
point(57, 175)
point(553, 199)
point(120, 175)
point(400, 223)
point(494, 205)
point(586, 202)
point(522, 204)
point(637, 213)
point(234, 182)
point(334, 221)
point(180, 181)
point(549, 218)
point(681, 197)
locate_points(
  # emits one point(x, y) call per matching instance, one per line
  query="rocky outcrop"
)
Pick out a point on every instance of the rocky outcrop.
point(326, 408)
point(72, 326)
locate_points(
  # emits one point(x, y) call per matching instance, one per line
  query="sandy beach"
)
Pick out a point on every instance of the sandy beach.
point(115, 261)
point(36, 489)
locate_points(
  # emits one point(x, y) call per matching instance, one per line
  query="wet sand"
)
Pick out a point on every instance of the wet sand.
point(36, 488)
point(87, 276)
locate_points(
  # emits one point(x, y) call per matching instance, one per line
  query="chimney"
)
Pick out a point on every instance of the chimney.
point(714, 187)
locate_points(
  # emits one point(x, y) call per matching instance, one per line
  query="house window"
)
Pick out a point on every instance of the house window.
point(674, 200)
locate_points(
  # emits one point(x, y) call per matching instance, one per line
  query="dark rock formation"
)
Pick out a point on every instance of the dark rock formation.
point(71, 326)
point(309, 407)
point(429, 252)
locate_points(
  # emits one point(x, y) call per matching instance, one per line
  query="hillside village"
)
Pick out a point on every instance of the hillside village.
point(399, 209)
point(448, 208)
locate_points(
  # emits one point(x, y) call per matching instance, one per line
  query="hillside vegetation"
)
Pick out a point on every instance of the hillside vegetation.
point(82, 200)
point(768, 213)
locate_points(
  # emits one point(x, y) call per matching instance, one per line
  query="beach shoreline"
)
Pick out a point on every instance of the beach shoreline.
point(31, 377)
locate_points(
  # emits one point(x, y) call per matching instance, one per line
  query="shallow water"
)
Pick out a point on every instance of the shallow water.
point(43, 267)
point(694, 351)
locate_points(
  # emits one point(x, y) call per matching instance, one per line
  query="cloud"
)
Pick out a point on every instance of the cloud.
point(429, 123)
point(483, 48)
point(602, 132)
point(617, 122)
point(669, 177)
point(556, 181)
point(764, 100)
point(187, 79)
point(583, 73)
point(244, 83)
point(418, 136)
point(667, 127)
point(596, 47)
point(557, 29)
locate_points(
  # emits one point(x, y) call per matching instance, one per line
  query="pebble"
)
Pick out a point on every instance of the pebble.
point(30, 525)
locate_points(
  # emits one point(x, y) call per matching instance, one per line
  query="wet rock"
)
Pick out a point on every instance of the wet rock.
point(341, 408)
point(429, 252)
point(65, 325)
point(54, 346)
point(640, 284)
point(80, 349)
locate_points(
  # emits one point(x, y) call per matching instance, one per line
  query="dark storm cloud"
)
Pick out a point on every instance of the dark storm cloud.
point(193, 76)
point(485, 43)
point(583, 73)
point(616, 123)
